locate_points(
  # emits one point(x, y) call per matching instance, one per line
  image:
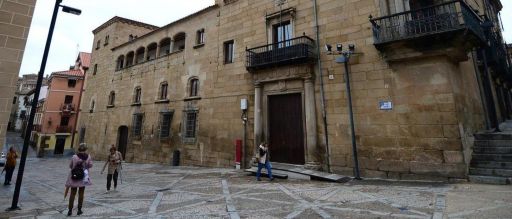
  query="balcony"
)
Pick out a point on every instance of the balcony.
point(496, 54)
point(449, 24)
point(298, 50)
point(63, 129)
point(37, 128)
point(67, 108)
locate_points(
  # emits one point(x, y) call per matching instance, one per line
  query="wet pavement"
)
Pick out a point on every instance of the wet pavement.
point(160, 191)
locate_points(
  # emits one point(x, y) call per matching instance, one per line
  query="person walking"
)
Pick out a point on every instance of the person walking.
point(10, 164)
point(114, 160)
point(264, 161)
point(78, 177)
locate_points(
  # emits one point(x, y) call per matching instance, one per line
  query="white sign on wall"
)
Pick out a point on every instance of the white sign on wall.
point(385, 105)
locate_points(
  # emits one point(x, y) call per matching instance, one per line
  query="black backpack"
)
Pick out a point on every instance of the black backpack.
point(77, 173)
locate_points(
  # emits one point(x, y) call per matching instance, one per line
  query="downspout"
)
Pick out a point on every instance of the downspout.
point(78, 109)
point(324, 113)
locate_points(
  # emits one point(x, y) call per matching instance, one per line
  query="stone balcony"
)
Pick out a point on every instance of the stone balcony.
point(451, 28)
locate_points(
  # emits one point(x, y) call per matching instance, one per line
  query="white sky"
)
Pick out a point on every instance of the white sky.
point(74, 33)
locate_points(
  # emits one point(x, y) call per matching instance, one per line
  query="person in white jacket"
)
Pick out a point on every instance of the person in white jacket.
point(263, 161)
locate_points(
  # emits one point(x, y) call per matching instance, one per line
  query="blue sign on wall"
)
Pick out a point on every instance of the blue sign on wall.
point(385, 105)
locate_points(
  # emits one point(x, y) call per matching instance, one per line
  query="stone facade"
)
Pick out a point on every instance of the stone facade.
point(435, 94)
point(15, 18)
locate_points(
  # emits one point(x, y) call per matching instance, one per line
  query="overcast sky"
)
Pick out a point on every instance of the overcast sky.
point(74, 33)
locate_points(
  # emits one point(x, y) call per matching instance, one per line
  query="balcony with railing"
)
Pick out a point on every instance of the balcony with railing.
point(497, 57)
point(67, 108)
point(438, 24)
point(63, 129)
point(298, 50)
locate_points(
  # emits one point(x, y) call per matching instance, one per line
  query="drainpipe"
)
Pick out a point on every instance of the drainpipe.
point(78, 109)
point(324, 113)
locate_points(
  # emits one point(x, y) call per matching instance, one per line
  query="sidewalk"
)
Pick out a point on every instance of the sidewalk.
point(157, 191)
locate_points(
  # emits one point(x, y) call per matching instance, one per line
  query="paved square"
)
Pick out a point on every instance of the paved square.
point(158, 191)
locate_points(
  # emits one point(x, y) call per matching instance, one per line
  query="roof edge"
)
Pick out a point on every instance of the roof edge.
point(125, 20)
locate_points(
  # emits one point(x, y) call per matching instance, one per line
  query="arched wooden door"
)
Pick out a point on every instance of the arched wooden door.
point(122, 140)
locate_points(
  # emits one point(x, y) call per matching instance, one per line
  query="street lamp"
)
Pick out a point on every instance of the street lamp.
point(19, 178)
point(345, 58)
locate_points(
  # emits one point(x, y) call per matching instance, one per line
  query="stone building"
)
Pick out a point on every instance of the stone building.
point(14, 27)
point(157, 90)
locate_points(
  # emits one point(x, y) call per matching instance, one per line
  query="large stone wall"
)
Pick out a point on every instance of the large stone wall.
point(423, 135)
point(15, 18)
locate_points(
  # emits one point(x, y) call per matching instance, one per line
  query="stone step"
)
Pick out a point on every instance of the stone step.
point(253, 171)
point(490, 172)
point(490, 164)
point(493, 143)
point(493, 136)
point(492, 157)
point(489, 180)
point(492, 150)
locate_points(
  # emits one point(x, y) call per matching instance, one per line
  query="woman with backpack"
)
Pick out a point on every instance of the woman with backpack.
point(78, 178)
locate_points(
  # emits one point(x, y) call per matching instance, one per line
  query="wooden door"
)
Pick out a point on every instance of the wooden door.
point(285, 124)
point(59, 145)
point(122, 140)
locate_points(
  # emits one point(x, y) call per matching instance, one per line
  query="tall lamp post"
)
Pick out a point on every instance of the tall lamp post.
point(345, 58)
point(28, 131)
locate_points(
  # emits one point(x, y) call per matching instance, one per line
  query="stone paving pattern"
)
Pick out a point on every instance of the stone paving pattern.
point(156, 191)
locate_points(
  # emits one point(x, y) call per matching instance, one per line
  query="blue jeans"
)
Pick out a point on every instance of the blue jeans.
point(267, 166)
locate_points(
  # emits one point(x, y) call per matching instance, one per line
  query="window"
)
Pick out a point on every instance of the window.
point(129, 59)
point(165, 47)
point(189, 130)
point(228, 51)
point(179, 42)
point(14, 100)
point(163, 91)
point(137, 125)
point(111, 98)
point(95, 69)
point(136, 95)
point(107, 38)
point(23, 114)
point(165, 124)
point(82, 135)
point(68, 99)
point(282, 32)
point(98, 44)
point(91, 108)
point(120, 62)
point(64, 121)
point(194, 87)
point(151, 51)
point(200, 37)
point(71, 82)
point(139, 55)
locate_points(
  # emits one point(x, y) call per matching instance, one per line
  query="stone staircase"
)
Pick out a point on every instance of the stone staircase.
point(491, 161)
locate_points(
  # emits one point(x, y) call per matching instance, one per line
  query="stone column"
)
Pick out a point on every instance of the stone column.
point(311, 134)
point(171, 46)
point(125, 61)
point(157, 50)
point(134, 61)
point(146, 51)
point(258, 120)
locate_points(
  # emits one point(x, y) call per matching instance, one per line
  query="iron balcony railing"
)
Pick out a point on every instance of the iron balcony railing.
point(293, 51)
point(436, 19)
point(496, 52)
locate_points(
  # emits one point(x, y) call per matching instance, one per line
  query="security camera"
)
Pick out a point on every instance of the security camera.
point(351, 47)
point(339, 47)
point(328, 48)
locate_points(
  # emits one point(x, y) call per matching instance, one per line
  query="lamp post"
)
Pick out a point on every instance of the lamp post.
point(28, 131)
point(345, 58)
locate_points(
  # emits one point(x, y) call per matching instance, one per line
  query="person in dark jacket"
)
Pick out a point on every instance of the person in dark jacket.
point(264, 161)
point(85, 160)
point(10, 164)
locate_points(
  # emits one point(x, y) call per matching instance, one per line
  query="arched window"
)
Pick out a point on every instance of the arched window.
point(151, 51)
point(137, 95)
point(179, 42)
point(120, 62)
point(165, 47)
point(139, 55)
point(112, 98)
point(163, 91)
point(129, 59)
point(194, 87)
